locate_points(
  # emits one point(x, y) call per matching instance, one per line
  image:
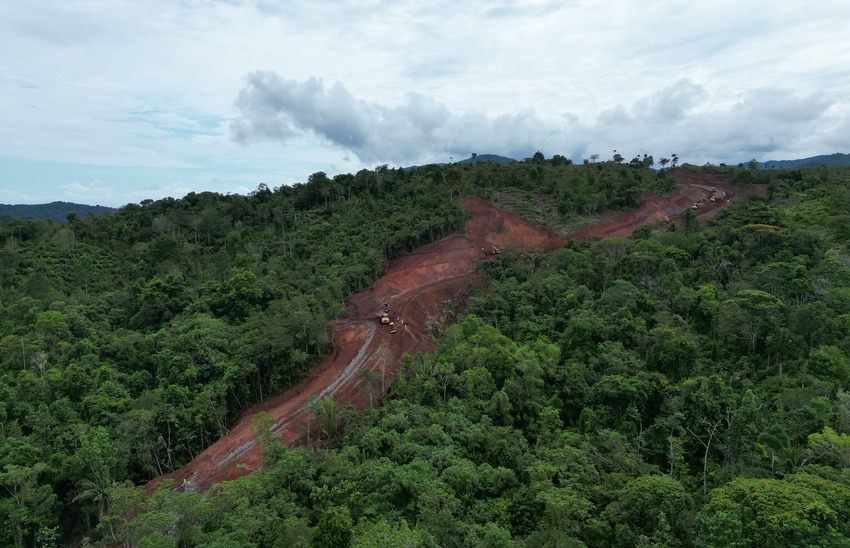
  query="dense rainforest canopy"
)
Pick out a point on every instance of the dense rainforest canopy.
point(685, 386)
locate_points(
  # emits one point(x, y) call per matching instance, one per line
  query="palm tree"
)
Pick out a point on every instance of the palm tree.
point(328, 409)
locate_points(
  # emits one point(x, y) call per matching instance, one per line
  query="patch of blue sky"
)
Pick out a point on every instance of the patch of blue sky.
point(185, 124)
point(27, 181)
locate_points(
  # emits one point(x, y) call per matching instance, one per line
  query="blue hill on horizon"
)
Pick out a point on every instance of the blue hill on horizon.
point(57, 211)
point(829, 160)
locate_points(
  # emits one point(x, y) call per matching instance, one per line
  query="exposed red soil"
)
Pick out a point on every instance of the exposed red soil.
point(653, 208)
point(415, 286)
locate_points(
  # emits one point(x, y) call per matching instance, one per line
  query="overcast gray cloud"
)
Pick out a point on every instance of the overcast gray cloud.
point(125, 100)
point(417, 129)
point(678, 117)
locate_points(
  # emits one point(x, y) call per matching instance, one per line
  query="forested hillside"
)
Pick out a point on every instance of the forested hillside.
point(832, 160)
point(680, 387)
point(56, 211)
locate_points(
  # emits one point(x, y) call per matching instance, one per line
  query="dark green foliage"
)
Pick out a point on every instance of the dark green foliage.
point(650, 502)
point(800, 510)
point(334, 529)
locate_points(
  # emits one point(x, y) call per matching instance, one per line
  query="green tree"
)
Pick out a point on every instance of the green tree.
point(382, 533)
point(649, 502)
point(750, 316)
point(830, 364)
point(790, 512)
point(261, 427)
point(370, 383)
point(328, 410)
point(742, 435)
point(99, 459)
point(690, 221)
point(85, 269)
point(720, 529)
point(159, 300)
point(53, 325)
point(30, 510)
point(238, 295)
point(334, 529)
point(829, 446)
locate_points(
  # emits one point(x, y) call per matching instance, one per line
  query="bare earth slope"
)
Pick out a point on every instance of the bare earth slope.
point(693, 187)
point(414, 286)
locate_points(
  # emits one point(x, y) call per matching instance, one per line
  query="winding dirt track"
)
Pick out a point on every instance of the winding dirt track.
point(693, 187)
point(415, 286)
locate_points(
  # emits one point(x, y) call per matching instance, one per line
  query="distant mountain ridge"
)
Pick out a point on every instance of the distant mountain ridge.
point(829, 160)
point(57, 211)
point(474, 159)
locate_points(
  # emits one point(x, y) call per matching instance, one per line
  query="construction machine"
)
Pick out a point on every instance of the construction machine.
point(384, 317)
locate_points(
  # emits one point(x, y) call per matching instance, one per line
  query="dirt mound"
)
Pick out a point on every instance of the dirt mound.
point(414, 287)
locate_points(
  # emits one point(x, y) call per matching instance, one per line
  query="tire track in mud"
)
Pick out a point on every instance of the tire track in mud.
point(350, 368)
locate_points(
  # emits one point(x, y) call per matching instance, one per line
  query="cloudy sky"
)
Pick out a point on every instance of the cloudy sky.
point(112, 101)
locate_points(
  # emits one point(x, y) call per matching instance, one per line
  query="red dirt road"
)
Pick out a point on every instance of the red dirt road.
point(415, 286)
point(693, 187)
